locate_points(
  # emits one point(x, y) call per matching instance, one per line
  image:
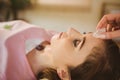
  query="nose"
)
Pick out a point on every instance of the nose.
point(72, 31)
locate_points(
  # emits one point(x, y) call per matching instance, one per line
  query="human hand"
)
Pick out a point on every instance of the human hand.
point(111, 23)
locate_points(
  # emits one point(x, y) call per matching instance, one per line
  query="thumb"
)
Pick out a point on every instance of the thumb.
point(112, 35)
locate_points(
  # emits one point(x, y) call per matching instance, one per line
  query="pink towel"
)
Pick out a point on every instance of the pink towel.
point(13, 61)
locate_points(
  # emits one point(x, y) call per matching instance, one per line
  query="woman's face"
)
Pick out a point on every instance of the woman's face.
point(71, 48)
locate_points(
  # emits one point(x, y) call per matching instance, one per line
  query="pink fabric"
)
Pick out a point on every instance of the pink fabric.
point(13, 61)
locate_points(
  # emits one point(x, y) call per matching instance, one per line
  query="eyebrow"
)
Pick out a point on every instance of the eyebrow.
point(83, 41)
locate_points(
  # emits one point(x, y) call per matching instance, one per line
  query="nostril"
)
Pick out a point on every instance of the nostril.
point(40, 47)
point(84, 32)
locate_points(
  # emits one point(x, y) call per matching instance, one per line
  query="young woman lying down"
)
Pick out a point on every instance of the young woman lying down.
point(61, 56)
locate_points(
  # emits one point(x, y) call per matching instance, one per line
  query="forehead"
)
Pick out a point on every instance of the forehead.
point(91, 41)
point(89, 44)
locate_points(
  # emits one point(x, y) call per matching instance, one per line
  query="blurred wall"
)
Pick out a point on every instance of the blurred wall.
point(84, 21)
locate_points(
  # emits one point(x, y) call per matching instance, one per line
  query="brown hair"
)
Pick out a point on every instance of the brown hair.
point(97, 66)
point(48, 73)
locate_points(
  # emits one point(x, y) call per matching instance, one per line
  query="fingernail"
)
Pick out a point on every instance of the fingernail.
point(99, 33)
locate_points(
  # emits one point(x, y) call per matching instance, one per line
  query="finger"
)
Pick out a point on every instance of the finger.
point(111, 35)
point(109, 28)
point(118, 21)
point(113, 29)
point(102, 23)
point(117, 28)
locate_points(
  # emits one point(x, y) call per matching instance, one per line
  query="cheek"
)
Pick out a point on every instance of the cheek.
point(63, 48)
point(65, 44)
point(62, 56)
point(63, 59)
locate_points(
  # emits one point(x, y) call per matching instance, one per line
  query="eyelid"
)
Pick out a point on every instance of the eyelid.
point(76, 42)
point(81, 43)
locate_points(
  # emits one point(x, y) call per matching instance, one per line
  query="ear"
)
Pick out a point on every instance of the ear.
point(63, 73)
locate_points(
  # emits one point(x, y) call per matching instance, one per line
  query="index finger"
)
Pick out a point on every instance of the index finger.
point(102, 23)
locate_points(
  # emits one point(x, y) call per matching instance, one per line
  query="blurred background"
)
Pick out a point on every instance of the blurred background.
point(59, 15)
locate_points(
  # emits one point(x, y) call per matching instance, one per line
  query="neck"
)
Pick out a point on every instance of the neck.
point(38, 61)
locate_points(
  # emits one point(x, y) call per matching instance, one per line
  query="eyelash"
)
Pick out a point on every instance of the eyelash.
point(76, 42)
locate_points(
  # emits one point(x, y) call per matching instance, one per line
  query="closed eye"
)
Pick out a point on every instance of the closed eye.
point(79, 42)
point(76, 42)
